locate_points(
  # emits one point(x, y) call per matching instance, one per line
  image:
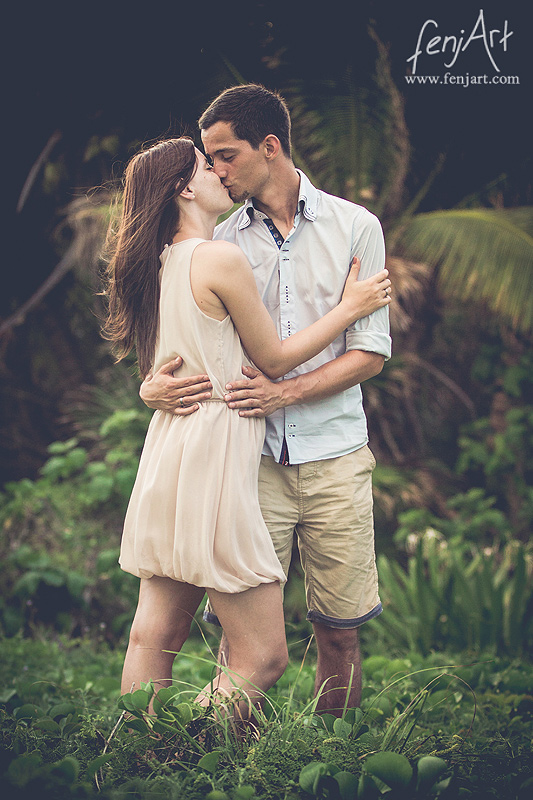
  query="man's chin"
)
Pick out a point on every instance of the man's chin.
point(239, 198)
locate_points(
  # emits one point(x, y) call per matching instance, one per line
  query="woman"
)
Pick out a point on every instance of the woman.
point(193, 523)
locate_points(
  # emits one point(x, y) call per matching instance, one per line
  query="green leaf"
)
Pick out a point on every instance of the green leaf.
point(140, 699)
point(27, 585)
point(327, 720)
point(185, 712)
point(164, 696)
point(162, 727)
point(47, 724)
point(69, 768)
point(62, 447)
point(139, 725)
point(391, 768)
point(361, 729)
point(26, 711)
point(53, 577)
point(311, 774)
point(72, 727)
point(209, 762)
point(353, 716)
point(341, 729)
point(244, 792)
point(76, 583)
point(148, 687)
point(429, 769)
point(62, 710)
point(347, 785)
point(126, 702)
point(94, 765)
point(367, 788)
point(24, 768)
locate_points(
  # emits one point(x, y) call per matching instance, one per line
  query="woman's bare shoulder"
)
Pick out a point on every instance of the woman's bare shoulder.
point(225, 253)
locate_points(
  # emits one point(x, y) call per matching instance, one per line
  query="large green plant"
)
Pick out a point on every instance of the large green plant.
point(61, 532)
point(449, 598)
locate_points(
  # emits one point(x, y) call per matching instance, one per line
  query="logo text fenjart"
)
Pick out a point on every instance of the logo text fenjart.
point(455, 45)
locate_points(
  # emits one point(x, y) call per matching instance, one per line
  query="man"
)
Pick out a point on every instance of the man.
point(315, 476)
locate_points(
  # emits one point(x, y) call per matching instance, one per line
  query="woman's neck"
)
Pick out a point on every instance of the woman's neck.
point(194, 227)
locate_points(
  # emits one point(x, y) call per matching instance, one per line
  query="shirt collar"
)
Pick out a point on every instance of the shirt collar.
point(307, 201)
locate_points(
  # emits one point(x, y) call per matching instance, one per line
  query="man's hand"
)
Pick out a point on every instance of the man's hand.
point(179, 396)
point(256, 396)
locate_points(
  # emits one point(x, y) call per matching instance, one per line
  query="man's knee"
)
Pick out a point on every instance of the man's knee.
point(336, 640)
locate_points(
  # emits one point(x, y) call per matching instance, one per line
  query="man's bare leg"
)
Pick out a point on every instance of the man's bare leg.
point(339, 665)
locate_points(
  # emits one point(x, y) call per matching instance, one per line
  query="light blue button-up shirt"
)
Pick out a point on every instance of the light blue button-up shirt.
point(299, 283)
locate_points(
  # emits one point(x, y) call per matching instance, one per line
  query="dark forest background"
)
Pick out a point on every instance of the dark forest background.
point(96, 80)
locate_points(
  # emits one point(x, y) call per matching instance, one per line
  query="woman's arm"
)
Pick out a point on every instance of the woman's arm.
point(224, 270)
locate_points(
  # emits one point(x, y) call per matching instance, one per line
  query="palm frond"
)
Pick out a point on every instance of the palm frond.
point(409, 279)
point(353, 139)
point(481, 254)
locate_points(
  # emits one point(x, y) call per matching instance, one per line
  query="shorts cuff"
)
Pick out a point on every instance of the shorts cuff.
point(333, 622)
point(208, 616)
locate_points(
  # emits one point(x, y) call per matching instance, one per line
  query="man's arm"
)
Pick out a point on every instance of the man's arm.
point(179, 396)
point(257, 396)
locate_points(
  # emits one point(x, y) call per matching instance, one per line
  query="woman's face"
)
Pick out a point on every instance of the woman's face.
point(209, 192)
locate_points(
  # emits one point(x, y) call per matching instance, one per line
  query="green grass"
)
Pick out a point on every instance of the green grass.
point(60, 701)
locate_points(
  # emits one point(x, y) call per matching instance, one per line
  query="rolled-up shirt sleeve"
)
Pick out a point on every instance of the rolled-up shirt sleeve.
point(370, 333)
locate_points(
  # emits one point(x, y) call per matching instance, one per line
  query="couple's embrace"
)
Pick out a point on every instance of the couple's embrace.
point(277, 288)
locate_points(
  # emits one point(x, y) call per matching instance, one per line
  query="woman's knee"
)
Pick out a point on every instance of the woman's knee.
point(161, 634)
point(271, 662)
point(279, 662)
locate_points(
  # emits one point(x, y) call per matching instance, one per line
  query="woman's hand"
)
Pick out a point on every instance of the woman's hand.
point(365, 297)
point(179, 396)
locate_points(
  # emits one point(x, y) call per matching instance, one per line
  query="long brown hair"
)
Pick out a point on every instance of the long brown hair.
point(150, 218)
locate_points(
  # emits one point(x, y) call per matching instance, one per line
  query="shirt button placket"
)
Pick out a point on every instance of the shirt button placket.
point(284, 289)
point(287, 321)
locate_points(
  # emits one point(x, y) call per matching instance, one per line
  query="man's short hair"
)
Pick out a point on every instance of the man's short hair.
point(253, 112)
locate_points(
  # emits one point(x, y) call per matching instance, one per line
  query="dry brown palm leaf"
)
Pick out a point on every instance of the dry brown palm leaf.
point(410, 281)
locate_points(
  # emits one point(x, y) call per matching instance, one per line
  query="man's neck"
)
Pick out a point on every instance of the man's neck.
point(279, 200)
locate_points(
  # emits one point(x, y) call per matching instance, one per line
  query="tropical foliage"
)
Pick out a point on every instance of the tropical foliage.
point(446, 708)
point(427, 728)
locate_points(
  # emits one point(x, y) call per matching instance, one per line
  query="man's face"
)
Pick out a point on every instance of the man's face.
point(242, 170)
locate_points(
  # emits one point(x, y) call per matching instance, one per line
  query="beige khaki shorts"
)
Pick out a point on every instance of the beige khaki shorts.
point(328, 506)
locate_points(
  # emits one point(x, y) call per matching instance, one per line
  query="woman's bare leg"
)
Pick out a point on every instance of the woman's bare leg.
point(162, 622)
point(255, 629)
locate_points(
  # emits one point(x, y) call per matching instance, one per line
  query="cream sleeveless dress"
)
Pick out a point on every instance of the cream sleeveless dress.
point(194, 512)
